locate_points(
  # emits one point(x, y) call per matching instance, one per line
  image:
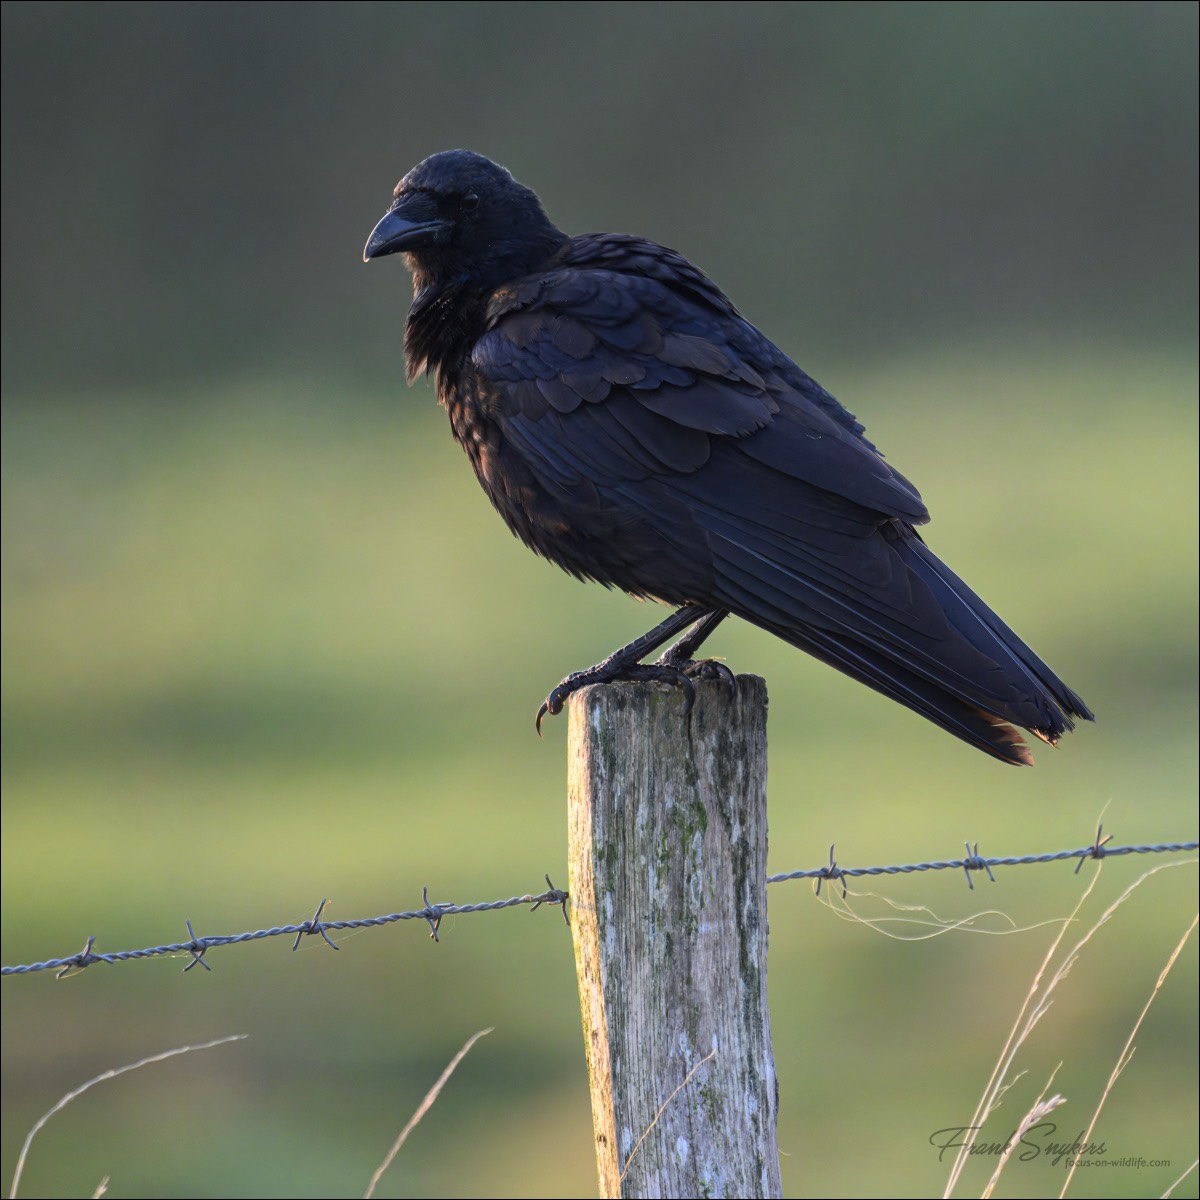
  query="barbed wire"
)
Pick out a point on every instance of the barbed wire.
point(975, 862)
point(198, 947)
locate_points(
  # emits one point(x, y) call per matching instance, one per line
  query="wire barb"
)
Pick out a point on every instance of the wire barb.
point(77, 962)
point(1097, 849)
point(434, 913)
point(974, 863)
point(553, 896)
point(316, 925)
point(197, 949)
point(833, 871)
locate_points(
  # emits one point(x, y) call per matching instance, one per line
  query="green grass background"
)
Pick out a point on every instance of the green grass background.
point(269, 644)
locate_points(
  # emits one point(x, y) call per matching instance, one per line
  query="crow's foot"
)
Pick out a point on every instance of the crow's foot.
point(675, 667)
point(705, 669)
point(614, 672)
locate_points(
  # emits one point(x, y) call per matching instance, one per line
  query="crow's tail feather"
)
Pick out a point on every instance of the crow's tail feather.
point(1009, 689)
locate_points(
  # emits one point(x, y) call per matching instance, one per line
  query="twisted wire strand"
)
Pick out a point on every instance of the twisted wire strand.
point(433, 914)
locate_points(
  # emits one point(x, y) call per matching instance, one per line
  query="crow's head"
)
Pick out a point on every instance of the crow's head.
point(460, 216)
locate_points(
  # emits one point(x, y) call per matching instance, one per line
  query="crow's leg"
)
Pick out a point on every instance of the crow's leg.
point(682, 655)
point(625, 664)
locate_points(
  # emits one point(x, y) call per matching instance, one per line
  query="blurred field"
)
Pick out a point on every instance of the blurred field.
point(266, 644)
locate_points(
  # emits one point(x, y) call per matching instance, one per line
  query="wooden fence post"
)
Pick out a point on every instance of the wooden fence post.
point(668, 852)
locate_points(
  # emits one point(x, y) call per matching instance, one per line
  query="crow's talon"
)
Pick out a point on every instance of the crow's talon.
point(553, 703)
point(684, 684)
point(708, 669)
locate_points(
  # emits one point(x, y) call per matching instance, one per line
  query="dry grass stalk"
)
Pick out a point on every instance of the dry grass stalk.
point(1127, 1050)
point(1038, 1001)
point(423, 1108)
point(141, 1062)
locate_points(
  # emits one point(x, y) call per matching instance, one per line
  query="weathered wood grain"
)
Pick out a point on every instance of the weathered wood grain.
point(668, 848)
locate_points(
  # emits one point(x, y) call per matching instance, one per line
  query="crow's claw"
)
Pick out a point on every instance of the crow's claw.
point(707, 669)
point(553, 703)
point(659, 672)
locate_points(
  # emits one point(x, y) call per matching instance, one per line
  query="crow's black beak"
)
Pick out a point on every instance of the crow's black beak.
point(412, 222)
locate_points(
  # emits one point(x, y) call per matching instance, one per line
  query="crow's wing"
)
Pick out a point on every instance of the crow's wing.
point(701, 464)
point(614, 349)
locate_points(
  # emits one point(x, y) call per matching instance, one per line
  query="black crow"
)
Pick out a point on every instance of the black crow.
point(632, 427)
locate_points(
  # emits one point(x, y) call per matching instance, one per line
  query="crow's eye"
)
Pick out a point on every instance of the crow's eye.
point(469, 202)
